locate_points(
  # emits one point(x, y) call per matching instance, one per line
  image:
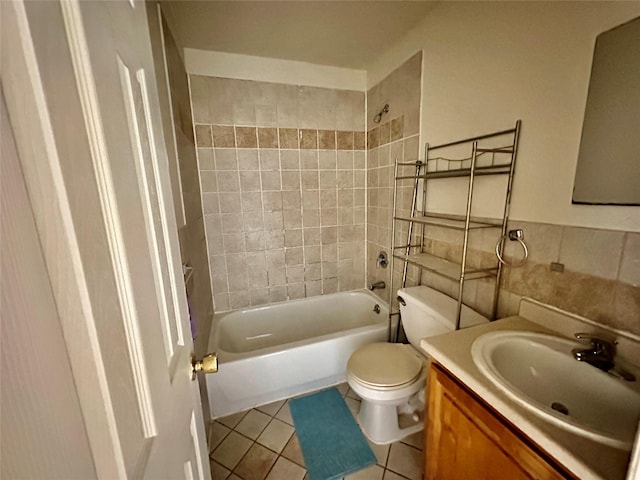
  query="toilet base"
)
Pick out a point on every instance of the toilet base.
point(383, 424)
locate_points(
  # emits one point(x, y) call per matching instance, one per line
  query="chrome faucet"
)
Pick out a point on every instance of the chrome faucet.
point(377, 285)
point(599, 353)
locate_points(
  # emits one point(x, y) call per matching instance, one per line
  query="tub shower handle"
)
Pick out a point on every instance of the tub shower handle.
point(208, 364)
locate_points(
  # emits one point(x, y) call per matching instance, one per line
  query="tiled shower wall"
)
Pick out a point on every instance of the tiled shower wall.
point(283, 175)
point(396, 136)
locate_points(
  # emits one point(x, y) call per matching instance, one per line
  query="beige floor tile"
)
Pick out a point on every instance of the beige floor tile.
point(271, 408)
point(276, 435)
point(415, 440)
point(352, 394)
point(374, 472)
point(217, 433)
point(232, 477)
point(381, 452)
point(231, 420)
point(286, 470)
point(343, 388)
point(218, 472)
point(354, 406)
point(389, 475)
point(256, 463)
point(231, 450)
point(405, 460)
point(253, 424)
point(284, 414)
point(293, 452)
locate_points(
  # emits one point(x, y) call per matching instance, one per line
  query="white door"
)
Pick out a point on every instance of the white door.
point(83, 103)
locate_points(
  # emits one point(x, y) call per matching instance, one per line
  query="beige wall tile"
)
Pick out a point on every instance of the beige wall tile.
point(266, 115)
point(199, 98)
point(310, 180)
point(244, 113)
point(278, 294)
point(308, 139)
point(397, 128)
point(206, 159)
point(294, 256)
point(290, 159)
point(248, 159)
point(203, 136)
point(384, 133)
point(344, 140)
point(267, 137)
point(259, 296)
point(591, 251)
point(288, 138)
point(585, 295)
point(228, 181)
point(223, 136)
point(269, 159)
point(327, 160)
point(327, 139)
point(328, 179)
point(291, 200)
point(250, 181)
point(359, 142)
point(626, 305)
point(209, 181)
point(272, 201)
point(271, 180)
point(373, 138)
point(311, 218)
point(240, 299)
point(246, 137)
point(630, 264)
point(225, 159)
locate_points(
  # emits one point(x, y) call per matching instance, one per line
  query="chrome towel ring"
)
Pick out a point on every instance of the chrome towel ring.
point(513, 235)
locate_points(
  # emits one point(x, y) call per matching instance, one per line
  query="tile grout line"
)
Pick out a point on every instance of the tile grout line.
point(273, 417)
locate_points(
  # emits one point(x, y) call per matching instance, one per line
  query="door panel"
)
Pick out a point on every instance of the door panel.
point(94, 59)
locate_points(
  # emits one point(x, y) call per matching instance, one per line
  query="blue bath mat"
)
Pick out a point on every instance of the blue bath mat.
point(332, 443)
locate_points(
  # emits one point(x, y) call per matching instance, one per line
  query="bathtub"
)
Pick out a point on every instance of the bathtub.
point(277, 351)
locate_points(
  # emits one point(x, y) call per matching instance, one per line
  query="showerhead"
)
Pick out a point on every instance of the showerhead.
point(378, 117)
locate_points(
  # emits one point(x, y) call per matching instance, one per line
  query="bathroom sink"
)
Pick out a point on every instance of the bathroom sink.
point(539, 372)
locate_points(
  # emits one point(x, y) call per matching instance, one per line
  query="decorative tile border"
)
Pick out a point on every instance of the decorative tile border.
point(386, 133)
point(229, 136)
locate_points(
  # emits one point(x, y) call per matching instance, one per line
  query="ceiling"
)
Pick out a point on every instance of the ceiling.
point(349, 34)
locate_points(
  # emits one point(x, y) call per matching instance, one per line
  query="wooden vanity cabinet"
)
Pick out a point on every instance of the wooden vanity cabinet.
point(465, 439)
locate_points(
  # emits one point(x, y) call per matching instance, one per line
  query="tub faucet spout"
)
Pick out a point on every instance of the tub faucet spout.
point(377, 285)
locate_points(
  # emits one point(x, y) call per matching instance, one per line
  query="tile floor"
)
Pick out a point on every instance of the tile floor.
point(261, 444)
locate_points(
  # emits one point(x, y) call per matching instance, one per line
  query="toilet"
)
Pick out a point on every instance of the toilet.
point(390, 377)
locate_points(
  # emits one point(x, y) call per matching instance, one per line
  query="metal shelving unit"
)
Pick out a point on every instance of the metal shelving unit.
point(491, 154)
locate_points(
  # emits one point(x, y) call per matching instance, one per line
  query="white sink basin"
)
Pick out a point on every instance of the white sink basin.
point(539, 372)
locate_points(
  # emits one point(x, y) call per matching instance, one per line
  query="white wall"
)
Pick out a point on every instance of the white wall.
point(487, 64)
point(246, 67)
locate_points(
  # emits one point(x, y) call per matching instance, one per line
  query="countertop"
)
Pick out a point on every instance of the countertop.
point(584, 457)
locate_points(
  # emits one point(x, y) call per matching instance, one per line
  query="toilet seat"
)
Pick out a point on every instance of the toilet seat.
point(385, 365)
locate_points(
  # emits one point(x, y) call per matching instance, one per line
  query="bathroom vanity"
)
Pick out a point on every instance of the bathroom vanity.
point(474, 429)
point(467, 438)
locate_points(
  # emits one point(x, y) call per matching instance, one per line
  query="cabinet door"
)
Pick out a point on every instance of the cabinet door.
point(465, 440)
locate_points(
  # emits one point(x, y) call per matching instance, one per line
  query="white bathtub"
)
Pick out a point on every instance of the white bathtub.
point(290, 348)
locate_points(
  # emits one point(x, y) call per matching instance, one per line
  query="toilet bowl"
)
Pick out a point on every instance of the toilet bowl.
point(390, 377)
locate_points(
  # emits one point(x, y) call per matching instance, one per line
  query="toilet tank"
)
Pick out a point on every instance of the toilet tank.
point(428, 312)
